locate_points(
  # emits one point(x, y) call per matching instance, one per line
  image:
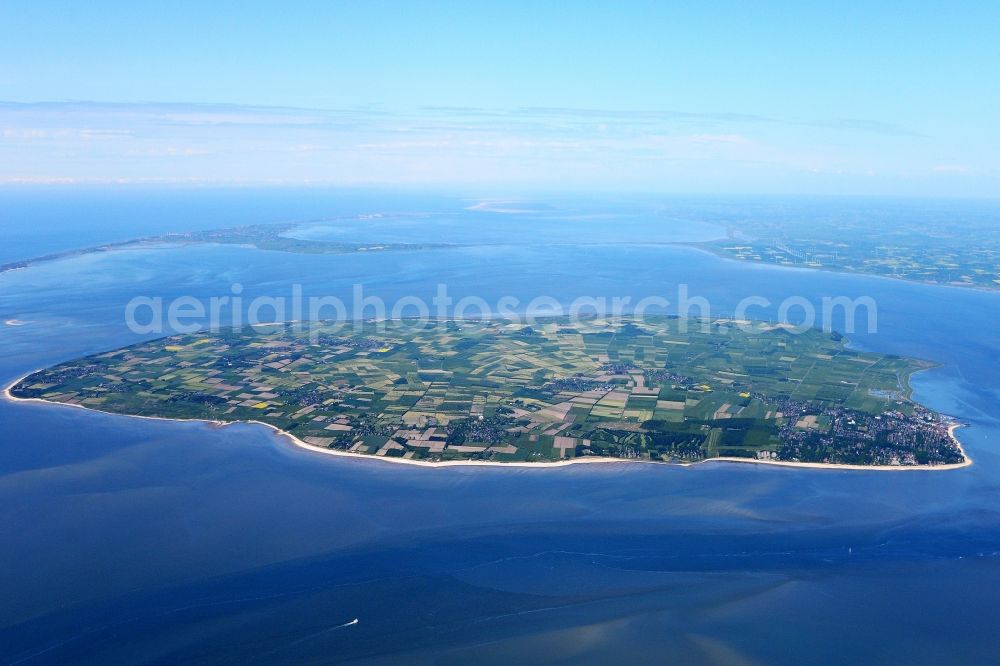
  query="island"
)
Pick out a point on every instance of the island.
point(661, 389)
point(934, 252)
point(270, 237)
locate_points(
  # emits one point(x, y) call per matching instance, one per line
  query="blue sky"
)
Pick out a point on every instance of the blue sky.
point(854, 98)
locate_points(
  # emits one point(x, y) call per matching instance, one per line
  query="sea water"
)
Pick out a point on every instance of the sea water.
point(137, 540)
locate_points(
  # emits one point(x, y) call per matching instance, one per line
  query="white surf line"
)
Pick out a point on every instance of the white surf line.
point(967, 461)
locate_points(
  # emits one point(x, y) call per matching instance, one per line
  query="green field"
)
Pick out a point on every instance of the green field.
point(936, 251)
point(659, 389)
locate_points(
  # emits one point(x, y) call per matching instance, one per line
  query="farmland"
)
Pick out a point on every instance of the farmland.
point(663, 389)
point(937, 251)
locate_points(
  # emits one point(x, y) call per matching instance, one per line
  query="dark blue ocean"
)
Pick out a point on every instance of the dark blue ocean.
point(135, 541)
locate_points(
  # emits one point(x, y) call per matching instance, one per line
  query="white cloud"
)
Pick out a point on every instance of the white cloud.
point(89, 142)
point(951, 168)
point(720, 138)
point(32, 133)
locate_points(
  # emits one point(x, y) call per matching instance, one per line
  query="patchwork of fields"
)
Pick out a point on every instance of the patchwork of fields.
point(658, 389)
point(935, 251)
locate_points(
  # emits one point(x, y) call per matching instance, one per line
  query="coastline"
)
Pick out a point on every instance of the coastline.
point(298, 443)
point(708, 248)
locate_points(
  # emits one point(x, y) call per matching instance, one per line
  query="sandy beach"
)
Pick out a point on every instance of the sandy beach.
point(519, 465)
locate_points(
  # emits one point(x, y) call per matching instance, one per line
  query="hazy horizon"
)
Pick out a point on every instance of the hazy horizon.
point(499, 333)
point(783, 99)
